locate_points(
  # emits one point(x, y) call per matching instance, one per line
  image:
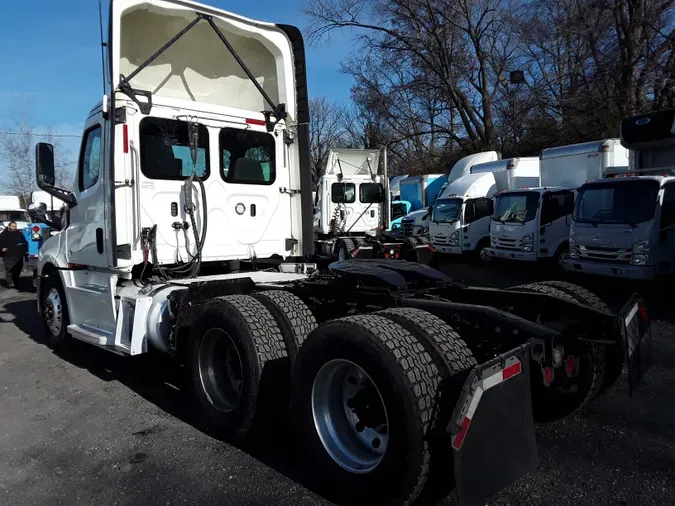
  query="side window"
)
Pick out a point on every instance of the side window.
point(555, 206)
point(90, 159)
point(668, 207)
point(343, 193)
point(483, 208)
point(247, 157)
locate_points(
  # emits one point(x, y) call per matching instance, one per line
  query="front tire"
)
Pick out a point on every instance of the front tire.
point(54, 309)
point(364, 392)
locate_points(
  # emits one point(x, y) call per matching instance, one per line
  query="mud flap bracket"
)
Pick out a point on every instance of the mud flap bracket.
point(492, 428)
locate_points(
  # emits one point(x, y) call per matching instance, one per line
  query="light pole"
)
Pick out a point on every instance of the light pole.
point(516, 77)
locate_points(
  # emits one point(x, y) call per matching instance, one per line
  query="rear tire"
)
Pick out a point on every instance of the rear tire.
point(555, 402)
point(293, 317)
point(454, 360)
point(406, 381)
point(234, 345)
point(54, 310)
point(344, 249)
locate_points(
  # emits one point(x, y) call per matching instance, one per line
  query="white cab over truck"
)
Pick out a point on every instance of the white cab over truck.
point(11, 210)
point(189, 230)
point(624, 226)
point(418, 223)
point(460, 217)
point(544, 235)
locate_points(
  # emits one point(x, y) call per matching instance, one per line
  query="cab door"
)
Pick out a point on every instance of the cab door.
point(554, 227)
point(87, 235)
point(665, 250)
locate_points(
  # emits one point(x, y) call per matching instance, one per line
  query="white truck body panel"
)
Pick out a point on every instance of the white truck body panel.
point(573, 165)
point(452, 233)
point(512, 173)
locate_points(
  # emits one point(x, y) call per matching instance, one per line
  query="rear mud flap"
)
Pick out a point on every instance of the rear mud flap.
point(492, 428)
point(633, 321)
point(363, 252)
point(423, 254)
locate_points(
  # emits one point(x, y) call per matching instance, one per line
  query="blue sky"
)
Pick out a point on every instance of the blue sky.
point(50, 54)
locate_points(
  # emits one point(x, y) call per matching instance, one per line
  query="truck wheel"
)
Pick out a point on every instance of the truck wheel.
point(452, 357)
point(54, 309)
point(344, 249)
point(359, 241)
point(293, 317)
point(561, 255)
point(233, 346)
point(555, 402)
point(615, 354)
point(364, 392)
point(482, 251)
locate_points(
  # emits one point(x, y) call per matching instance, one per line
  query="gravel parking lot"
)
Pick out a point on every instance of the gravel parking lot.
point(88, 427)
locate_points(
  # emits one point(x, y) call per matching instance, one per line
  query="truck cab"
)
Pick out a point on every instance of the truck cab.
point(417, 222)
point(624, 226)
point(460, 217)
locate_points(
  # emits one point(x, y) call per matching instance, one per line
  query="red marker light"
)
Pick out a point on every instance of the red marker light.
point(258, 122)
point(125, 138)
point(36, 228)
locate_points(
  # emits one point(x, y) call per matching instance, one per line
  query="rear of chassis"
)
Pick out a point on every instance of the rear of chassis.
point(398, 391)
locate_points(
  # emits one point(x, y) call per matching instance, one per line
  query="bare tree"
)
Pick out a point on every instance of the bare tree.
point(326, 132)
point(17, 152)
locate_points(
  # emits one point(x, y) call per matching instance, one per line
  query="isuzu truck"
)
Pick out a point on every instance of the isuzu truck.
point(624, 226)
point(189, 232)
point(533, 224)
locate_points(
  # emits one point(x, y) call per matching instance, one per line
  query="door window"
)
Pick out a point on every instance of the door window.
point(483, 208)
point(371, 193)
point(165, 150)
point(90, 159)
point(555, 205)
point(247, 157)
point(668, 207)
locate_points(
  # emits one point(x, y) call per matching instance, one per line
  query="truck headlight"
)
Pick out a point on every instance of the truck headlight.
point(640, 253)
point(528, 242)
point(454, 238)
point(574, 255)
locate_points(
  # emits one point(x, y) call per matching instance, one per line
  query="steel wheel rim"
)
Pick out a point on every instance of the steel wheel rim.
point(350, 416)
point(342, 253)
point(220, 370)
point(53, 311)
point(484, 255)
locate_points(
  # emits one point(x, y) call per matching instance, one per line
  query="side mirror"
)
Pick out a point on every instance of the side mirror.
point(44, 165)
point(37, 211)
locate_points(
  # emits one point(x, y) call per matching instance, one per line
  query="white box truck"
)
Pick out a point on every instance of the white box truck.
point(460, 217)
point(416, 223)
point(11, 210)
point(541, 231)
point(624, 226)
point(190, 231)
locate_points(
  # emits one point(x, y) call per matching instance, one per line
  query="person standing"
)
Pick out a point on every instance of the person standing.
point(13, 248)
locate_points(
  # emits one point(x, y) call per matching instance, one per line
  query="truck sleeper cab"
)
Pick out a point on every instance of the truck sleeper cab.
point(172, 185)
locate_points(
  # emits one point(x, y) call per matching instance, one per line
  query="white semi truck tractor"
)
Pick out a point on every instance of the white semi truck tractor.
point(624, 226)
point(533, 224)
point(190, 232)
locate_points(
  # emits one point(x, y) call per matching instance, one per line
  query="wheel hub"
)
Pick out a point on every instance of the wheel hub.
point(52, 311)
point(350, 416)
point(220, 370)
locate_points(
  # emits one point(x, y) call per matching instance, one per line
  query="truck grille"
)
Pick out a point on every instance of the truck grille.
point(440, 239)
point(601, 254)
point(407, 227)
point(504, 243)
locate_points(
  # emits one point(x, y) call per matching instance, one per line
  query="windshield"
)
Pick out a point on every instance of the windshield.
point(617, 202)
point(13, 216)
point(447, 210)
point(398, 209)
point(516, 207)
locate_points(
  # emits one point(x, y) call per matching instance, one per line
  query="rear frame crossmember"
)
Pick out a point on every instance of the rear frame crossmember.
point(272, 117)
